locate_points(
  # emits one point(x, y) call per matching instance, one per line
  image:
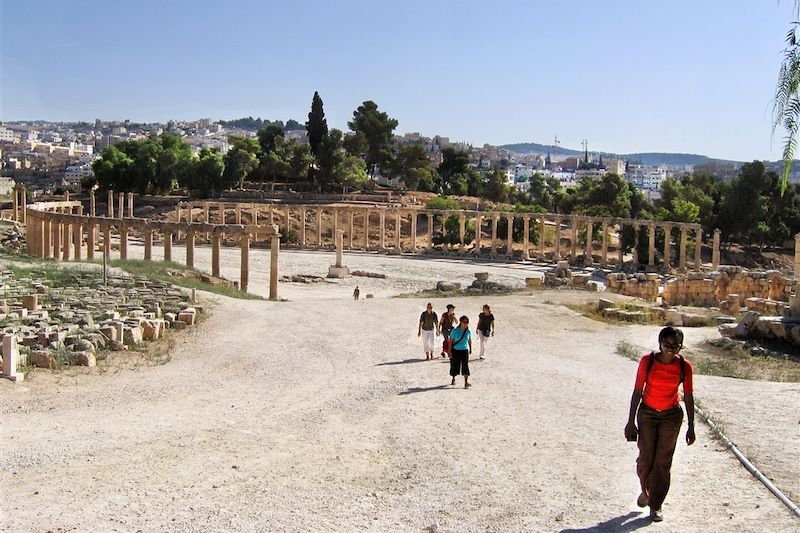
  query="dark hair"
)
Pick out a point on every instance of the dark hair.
point(670, 332)
point(464, 318)
point(451, 306)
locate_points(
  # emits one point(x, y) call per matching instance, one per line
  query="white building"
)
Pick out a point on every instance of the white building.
point(75, 173)
point(593, 173)
point(6, 135)
point(615, 166)
point(647, 178)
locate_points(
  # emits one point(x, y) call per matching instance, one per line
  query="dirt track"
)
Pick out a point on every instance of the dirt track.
point(317, 414)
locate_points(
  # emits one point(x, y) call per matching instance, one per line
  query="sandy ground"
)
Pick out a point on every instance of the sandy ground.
point(318, 414)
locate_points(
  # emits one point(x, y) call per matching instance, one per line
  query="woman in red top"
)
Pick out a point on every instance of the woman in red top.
point(655, 396)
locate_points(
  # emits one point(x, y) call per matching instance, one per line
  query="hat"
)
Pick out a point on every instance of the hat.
point(451, 306)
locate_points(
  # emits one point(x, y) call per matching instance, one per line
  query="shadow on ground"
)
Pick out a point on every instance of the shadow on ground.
point(619, 524)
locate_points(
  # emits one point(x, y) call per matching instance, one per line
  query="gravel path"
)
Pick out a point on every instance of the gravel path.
point(318, 414)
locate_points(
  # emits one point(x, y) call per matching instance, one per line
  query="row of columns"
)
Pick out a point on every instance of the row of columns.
point(64, 240)
point(494, 244)
point(19, 203)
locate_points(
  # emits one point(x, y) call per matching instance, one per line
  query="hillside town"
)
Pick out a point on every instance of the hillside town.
point(51, 156)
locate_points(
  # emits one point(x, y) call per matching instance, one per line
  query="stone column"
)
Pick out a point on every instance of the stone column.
point(77, 238)
point(430, 232)
point(526, 229)
point(715, 251)
point(168, 245)
point(495, 219)
point(319, 228)
point(190, 236)
point(414, 231)
point(604, 256)
point(92, 204)
point(366, 229)
point(542, 228)
point(215, 251)
point(91, 240)
point(48, 242)
point(11, 358)
point(107, 241)
point(698, 248)
point(573, 237)
point(462, 230)
point(636, 246)
point(667, 246)
point(383, 230)
point(303, 227)
point(24, 202)
point(269, 215)
point(350, 230)
point(682, 256)
point(66, 235)
point(651, 244)
point(445, 238)
point(123, 242)
point(110, 205)
point(130, 204)
point(178, 216)
point(273, 267)
point(56, 240)
point(557, 240)
point(15, 204)
point(254, 212)
point(620, 254)
point(238, 212)
point(335, 225)
point(589, 248)
point(245, 263)
point(478, 225)
point(398, 228)
point(288, 220)
point(148, 245)
point(797, 255)
point(510, 236)
point(121, 205)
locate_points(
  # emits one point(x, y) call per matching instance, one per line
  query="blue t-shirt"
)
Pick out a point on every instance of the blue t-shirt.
point(455, 334)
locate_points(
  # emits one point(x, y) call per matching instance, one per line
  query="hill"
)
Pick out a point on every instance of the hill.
point(647, 158)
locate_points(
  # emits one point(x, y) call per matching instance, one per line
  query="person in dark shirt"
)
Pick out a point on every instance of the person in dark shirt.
point(446, 324)
point(356, 293)
point(428, 329)
point(485, 329)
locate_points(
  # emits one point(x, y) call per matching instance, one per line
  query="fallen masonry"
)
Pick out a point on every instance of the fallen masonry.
point(73, 318)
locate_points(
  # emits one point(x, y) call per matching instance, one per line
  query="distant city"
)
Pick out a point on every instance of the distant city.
point(58, 155)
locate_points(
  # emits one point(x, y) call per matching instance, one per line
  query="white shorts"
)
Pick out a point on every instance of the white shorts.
point(428, 340)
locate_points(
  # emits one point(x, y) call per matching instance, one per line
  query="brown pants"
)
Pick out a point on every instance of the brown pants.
point(658, 435)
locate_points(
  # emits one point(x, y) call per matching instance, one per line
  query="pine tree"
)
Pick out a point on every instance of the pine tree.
point(317, 126)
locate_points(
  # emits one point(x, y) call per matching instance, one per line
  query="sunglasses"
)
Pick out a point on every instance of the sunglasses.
point(672, 347)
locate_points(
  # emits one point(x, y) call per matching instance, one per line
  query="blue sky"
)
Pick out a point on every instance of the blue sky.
point(628, 75)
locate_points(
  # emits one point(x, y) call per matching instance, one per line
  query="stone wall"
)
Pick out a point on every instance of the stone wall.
point(729, 287)
point(643, 286)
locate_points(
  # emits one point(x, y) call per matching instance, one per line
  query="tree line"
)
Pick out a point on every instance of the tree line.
point(747, 209)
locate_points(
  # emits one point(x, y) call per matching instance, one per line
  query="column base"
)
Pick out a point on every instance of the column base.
point(338, 272)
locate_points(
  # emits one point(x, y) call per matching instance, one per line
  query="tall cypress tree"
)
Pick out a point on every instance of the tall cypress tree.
point(317, 126)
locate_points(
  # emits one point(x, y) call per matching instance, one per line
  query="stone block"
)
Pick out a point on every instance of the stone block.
point(186, 317)
point(579, 279)
point(603, 303)
point(444, 286)
point(42, 359)
point(727, 330)
point(109, 332)
point(595, 286)
point(133, 336)
point(481, 276)
point(85, 359)
point(673, 317)
point(30, 302)
point(693, 320)
point(178, 325)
